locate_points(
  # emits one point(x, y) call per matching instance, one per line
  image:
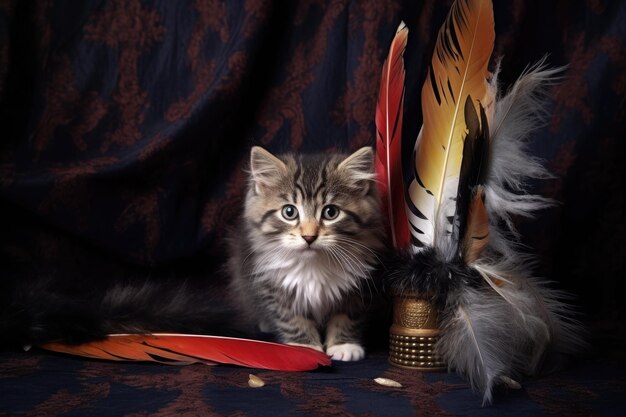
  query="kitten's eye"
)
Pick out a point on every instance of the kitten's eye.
point(289, 212)
point(330, 212)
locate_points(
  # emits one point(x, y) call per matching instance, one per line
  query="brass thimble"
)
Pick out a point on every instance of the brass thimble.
point(414, 332)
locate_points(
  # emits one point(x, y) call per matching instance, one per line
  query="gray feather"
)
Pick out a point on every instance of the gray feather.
point(478, 337)
point(505, 328)
point(540, 311)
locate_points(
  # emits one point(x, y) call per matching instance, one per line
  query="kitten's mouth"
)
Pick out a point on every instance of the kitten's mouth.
point(306, 255)
point(310, 249)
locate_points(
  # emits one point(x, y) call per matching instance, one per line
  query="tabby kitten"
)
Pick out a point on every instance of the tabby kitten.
point(306, 247)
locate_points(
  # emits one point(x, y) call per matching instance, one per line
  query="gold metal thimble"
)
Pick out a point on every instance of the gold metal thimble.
point(414, 332)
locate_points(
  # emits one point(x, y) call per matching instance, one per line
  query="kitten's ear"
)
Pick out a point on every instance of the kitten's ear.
point(359, 168)
point(266, 169)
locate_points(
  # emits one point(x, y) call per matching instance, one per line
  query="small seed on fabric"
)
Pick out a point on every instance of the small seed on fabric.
point(254, 381)
point(388, 382)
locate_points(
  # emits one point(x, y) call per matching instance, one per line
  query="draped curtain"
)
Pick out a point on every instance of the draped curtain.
point(125, 125)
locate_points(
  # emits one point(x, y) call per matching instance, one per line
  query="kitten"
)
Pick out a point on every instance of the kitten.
point(306, 247)
point(301, 260)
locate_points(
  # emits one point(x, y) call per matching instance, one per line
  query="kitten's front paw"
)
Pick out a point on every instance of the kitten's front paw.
point(346, 352)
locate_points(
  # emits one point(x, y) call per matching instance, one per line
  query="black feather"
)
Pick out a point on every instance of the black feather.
point(474, 166)
point(427, 272)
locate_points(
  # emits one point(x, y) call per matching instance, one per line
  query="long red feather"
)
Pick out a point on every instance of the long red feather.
point(388, 140)
point(181, 349)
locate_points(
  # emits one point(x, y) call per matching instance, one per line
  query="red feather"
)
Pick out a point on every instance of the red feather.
point(178, 349)
point(388, 140)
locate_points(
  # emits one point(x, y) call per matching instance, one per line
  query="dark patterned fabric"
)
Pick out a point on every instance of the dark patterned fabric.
point(41, 385)
point(125, 126)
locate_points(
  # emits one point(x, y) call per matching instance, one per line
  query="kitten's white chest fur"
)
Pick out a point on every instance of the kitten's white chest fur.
point(316, 281)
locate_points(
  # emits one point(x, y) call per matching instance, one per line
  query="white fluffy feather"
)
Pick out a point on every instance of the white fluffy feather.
point(517, 115)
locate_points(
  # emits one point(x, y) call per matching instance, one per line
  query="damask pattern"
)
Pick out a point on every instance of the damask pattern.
point(37, 384)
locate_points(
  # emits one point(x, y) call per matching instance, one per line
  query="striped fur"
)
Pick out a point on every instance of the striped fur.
point(308, 293)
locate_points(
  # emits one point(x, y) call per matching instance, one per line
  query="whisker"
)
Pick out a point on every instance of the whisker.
point(344, 239)
point(354, 260)
point(359, 267)
point(253, 250)
point(335, 256)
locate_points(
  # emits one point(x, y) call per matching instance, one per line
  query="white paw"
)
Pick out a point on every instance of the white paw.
point(346, 352)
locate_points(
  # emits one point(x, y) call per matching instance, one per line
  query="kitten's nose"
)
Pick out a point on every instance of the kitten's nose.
point(310, 238)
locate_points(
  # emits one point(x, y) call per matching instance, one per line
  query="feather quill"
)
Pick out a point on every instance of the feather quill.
point(388, 139)
point(180, 349)
point(458, 70)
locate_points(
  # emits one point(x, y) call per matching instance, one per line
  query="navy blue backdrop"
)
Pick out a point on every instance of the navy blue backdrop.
point(125, 125)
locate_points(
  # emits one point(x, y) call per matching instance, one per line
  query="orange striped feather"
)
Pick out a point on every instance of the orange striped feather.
point(458, 70)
